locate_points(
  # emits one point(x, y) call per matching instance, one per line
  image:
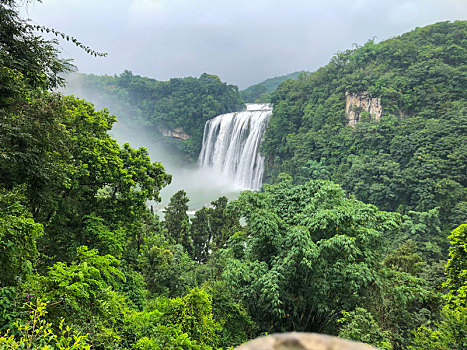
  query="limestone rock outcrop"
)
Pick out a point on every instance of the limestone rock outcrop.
point(303, 341)
point(356, 103)
point(177, 133)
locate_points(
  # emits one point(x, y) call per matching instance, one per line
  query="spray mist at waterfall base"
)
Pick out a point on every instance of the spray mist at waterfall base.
point(202, 185)
point(229, 163)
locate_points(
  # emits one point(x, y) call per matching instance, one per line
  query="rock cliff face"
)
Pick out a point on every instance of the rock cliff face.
point(303, 341)
point(177, 133)
point(357, 103)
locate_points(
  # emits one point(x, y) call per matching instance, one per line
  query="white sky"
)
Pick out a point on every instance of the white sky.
point(242, 41)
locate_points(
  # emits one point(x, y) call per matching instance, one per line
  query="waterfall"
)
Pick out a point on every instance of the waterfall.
point(231, 142)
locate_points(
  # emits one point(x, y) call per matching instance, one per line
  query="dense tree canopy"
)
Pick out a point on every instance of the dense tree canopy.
point(85, 264)
point(311, 253)
point(262, 92)
point(180, 103)
point(414, 157)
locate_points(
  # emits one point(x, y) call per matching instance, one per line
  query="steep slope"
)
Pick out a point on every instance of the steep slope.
point(387, 121)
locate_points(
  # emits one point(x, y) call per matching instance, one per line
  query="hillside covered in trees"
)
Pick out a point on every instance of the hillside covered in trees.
point(179, 107)
point(84, 263)
point(262, 92)
point(413, 156)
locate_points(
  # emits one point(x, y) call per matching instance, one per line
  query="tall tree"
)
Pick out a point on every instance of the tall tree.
point(212, 227)
point(456, 267)
point(310, 254)
point(176, 220)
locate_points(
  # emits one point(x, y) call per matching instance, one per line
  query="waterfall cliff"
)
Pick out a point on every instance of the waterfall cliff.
point(231, 142)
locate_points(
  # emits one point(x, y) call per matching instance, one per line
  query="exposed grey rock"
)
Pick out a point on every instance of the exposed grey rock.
point(303, 341)
point(358, 102)
point(177, 133)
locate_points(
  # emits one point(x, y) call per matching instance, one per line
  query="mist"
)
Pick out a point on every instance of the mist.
point(201, 185)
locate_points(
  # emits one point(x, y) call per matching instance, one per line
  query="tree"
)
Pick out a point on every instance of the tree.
point(456, 267)
point(201, 236)
point(176, 220)
point(310, 254)
point(450, 332)
point(25, 55)
point(86, 293)
point(37, 333)
point(408, 160)
point(237, 325)
point(212, 227)
point(359, 325)
point(405, 259)
point(153, 107)
point(18, 236)
point(178, 323)
point(400, 303)
point(167, 268)
point(97, 178)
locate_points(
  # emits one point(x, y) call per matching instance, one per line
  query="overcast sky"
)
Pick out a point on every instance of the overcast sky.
point(242, 41)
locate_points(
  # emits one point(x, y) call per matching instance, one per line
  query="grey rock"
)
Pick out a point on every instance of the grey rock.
point(358, 102)
point(303, 341)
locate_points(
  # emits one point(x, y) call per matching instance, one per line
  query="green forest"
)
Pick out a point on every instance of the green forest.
point(262, 92)
point(414, 157)
point(150, 106)
point(360, 233)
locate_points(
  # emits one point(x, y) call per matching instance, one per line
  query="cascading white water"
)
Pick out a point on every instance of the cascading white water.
point(231, 142)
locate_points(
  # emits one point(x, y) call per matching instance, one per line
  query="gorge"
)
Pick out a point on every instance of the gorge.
point(359, 234)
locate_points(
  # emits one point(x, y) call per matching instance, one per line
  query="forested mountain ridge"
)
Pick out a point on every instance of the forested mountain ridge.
point(261, 92)
point(177, 108)
point(414, 156)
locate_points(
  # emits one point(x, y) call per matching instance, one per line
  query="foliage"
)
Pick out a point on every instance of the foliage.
point(83, 291)
point(449, 333)
point(310, 253)
point(301, 255)
point(25, 54)
point(456, 267)
point(359, 325)
point(178, 323)
point(411, 159)
point(261, 92)
point(211, 228)
point(400, 303)
point(167, 269)
point(18, 235)
point(10, 307)
point(37, 333)
point(33, 150)
point(114, 183)
point(237, 326)
point(181, 103)
point(405, 259)
point(176, 220)
point(424, 229)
